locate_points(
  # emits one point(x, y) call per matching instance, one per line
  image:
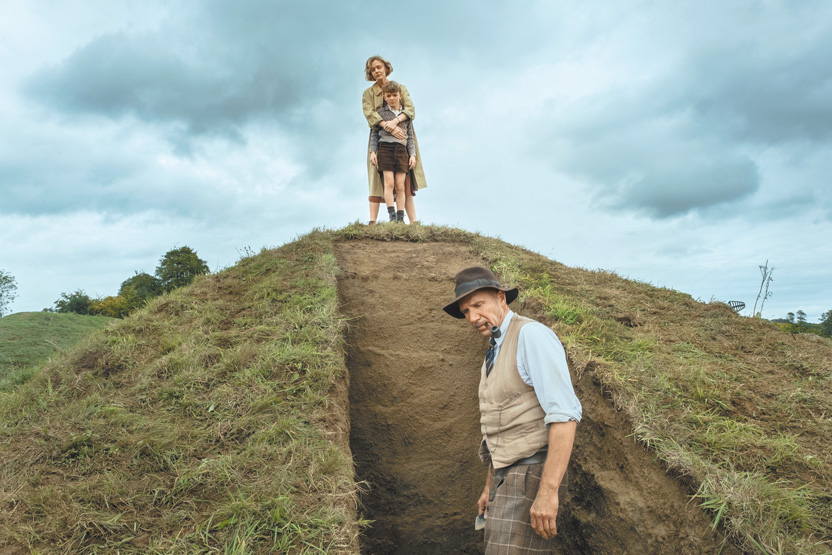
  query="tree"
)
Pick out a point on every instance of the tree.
point(790, 317)
point(144, 286)
point(180, 267)
point(8, 290)
point(77, 302)
point(801, 318)
point(826, 323)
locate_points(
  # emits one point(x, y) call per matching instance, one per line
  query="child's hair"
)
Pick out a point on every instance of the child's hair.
point(391, 87)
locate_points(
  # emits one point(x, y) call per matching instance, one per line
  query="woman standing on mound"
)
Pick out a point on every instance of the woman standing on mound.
point(378, 69)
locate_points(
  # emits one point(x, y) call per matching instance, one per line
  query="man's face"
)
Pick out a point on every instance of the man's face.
point(484, 308)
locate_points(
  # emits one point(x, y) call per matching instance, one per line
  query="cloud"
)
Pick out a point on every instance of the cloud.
point(661, 165)
point(214, 66)
point(768, 82)
point(681, 122)
point(210, 69)
point(119, 75)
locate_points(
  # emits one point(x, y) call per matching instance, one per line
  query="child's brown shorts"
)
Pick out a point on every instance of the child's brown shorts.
point(392, 157)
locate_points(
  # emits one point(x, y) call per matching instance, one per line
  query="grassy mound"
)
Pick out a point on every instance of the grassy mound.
point(28, 339)
point(203, 423)
point(214, 420)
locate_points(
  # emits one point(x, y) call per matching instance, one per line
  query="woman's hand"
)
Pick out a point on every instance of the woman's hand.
point(373, 159)
point(412, 162)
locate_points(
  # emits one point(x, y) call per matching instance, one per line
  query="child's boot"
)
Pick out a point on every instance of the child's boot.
point(392, 213)
point(400, 216)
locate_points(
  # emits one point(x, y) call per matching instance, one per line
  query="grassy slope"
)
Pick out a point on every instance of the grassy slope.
point(196, 425)
point(205, 422)
point(27, 339)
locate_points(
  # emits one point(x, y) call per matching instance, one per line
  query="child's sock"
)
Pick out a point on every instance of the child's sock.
point(391, 211)
point(400, 216)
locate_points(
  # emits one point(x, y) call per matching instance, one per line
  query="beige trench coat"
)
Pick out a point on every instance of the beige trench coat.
point(372, 100)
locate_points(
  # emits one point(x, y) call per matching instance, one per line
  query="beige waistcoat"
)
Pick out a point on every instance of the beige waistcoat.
point(510, 414)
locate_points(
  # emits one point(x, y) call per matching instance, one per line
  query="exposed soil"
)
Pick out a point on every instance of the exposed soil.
point(413, 400)
point(620, 499)
point(414, 373)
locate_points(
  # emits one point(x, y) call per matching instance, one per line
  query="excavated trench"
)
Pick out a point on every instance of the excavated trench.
point(414, 425)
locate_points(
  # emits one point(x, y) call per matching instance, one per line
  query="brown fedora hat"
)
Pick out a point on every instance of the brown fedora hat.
point(472, 279)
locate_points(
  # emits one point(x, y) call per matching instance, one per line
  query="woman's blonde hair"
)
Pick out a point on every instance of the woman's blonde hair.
point(369, 74)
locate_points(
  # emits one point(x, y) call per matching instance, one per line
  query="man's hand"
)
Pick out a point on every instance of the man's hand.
point(398, 132)
point(373, 159)
point(544, 510)
point(544, 513)
point(482, 502)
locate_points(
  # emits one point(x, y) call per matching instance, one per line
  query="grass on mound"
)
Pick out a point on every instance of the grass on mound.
point(733, 405)
point(28, 339)
point(204, 423)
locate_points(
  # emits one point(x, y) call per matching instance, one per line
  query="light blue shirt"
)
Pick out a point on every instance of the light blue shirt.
point(541, 363)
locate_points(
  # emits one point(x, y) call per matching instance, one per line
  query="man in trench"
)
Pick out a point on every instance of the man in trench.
point(528, 415)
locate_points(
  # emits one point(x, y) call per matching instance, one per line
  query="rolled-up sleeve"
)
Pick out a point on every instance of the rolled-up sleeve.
point(541, 361)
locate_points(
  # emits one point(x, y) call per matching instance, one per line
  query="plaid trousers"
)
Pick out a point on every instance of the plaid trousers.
point(508, 528)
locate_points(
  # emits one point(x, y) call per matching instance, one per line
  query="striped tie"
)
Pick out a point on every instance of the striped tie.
point(489, 356)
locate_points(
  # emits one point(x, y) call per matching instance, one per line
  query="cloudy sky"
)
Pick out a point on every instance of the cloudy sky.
point(677, 143)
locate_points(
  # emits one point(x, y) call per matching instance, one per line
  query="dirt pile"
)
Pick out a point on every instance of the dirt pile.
point(415, 424)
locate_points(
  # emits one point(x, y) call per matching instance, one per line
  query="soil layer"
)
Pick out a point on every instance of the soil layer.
point(414, 415)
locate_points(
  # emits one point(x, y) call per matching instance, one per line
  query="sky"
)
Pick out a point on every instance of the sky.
point(682, 144)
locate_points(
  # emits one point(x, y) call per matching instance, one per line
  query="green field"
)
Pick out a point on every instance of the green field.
point(28, 339)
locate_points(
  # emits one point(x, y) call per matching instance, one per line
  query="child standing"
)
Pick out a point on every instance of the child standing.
point(393, 157)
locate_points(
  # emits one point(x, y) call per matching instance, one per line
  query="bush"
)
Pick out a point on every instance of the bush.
point(77, 302)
